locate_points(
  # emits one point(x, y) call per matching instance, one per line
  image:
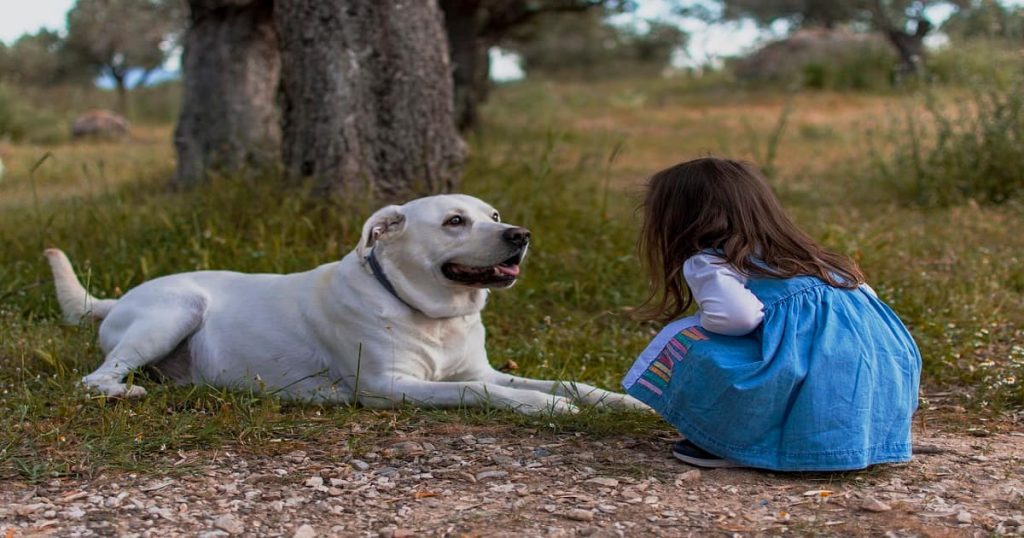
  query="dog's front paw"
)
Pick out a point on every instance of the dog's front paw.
point(554, 405)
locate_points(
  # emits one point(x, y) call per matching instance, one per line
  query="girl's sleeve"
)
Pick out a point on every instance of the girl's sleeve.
point(726, 305)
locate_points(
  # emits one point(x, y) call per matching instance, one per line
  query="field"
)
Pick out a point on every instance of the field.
point(568, 161)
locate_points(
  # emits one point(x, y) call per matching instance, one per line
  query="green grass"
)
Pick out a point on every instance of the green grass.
point(562, 159)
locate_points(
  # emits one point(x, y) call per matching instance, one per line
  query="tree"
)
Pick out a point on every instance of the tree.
point(231, 66)
point(117, 36)
point(586, 45)
point(366, 97)
point(474, 26)
point(903, 22)
point(987, 19)
point(40, 59)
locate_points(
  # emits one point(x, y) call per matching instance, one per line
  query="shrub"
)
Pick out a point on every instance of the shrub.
point(977, 62)
point(974, 151)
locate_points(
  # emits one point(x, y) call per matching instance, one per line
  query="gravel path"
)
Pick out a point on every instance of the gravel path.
point(448, 480)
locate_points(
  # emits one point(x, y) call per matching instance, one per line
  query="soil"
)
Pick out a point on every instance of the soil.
point(454, 480)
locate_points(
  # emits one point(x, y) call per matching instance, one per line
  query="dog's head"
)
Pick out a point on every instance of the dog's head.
point(442, 252)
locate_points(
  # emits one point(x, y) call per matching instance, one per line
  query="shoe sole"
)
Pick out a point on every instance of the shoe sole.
point(705, 463)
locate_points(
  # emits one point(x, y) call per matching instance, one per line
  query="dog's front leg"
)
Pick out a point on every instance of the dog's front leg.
point(391, 391)
point(580, 392)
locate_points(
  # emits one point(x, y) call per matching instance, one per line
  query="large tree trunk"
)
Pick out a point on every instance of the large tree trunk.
point(229, 123)
point(910, 47)
point(367, 96)
point(464, 23)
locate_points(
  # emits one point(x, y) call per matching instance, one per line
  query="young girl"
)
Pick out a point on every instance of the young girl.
point(791, 362)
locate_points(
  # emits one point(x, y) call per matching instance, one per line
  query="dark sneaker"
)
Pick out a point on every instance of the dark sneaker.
point(687, 452)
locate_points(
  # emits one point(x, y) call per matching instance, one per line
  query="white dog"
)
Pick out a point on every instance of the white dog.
point(397, 319)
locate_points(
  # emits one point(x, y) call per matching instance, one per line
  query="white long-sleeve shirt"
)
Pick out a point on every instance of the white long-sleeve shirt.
point(725, 305)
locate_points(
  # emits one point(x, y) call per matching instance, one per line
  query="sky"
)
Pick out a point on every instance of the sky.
point(707, 42)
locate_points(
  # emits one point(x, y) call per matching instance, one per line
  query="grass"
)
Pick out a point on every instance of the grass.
point(565, 160)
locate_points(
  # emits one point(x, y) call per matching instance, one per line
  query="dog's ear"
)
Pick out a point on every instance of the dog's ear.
point(387, 222)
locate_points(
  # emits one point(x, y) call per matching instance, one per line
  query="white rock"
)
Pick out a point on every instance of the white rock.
point(229, 524)
point(314, 482)
point(603, 481)
point(360, 465)
point(964, 517)
point(580, 515)
point(305, 531)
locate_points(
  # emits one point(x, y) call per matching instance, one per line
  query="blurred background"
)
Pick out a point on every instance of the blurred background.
point(148, 137)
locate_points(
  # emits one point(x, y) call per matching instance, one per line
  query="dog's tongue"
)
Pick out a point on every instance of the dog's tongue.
point(509, 270)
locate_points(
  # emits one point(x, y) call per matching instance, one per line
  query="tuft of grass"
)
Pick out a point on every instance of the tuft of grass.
point(950, 155)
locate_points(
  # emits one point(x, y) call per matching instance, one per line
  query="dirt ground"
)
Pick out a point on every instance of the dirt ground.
point(452, 480)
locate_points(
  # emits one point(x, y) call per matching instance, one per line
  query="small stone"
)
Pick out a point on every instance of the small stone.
point(651, 499)
point(74, 512)
point(335, 492)
point(964, 517)
point(360, 465)
point(688, 476)
point(580, 515)
point(484, 475)
point(487, 441)
point(874, 505)
point(603, 481)
point(405, 449)
point(305, 531)
point(314, 482)
point(229, 524)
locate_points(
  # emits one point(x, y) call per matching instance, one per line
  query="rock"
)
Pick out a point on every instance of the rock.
point(580, 515)
point(100, 124)
point(964, 517)
point(359, 465)
point(305, 531)
point(229, 524)
point(688, 476)
point(603, 481)
point(874, 505)
point(487, 441)
point(405, 449)
point(314, 482)
point(484, 475)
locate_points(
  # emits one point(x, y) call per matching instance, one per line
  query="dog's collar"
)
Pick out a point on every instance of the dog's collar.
point(378, 273)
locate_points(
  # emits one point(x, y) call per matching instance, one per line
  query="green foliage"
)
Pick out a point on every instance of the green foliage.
point(20, 122)
point(987, 19)
point(974, 152)
point(41, 59)
point(586, 45)
point(977, 62)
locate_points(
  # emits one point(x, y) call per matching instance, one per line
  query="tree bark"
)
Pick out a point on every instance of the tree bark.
point(231, 66)
point(469, 53)
point(910, 47)
point(367, 102)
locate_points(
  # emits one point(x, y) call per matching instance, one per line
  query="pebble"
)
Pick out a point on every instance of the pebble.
point(688, 476)
point(229, 524)
point(305, 531)
point(314, 482)
point(964, 517)
point(874, 505)
point(360, 465)
point(603, 481)
point(484, 475)
point(580, 515)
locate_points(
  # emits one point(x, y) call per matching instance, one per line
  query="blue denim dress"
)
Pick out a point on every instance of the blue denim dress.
point(829, 381)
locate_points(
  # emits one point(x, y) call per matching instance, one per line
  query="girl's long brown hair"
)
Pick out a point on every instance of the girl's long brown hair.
point(725, 205)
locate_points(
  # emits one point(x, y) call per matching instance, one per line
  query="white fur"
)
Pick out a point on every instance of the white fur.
point(332, 334)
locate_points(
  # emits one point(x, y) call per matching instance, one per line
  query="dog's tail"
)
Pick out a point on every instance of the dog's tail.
point(75, 301)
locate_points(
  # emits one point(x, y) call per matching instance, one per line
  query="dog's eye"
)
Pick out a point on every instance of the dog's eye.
point(454, 221)
point(496, 217)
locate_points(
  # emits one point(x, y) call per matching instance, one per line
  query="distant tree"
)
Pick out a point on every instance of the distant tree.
point(40, 59)
point(118, 36)
point(903, 22)
point(987, 18)
point(474, 26)
point(586, 45)
point(366, 96)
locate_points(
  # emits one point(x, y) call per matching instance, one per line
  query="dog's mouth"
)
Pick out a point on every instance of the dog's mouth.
point(500, 275)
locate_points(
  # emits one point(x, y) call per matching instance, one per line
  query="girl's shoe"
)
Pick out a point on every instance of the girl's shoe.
point(687, 452)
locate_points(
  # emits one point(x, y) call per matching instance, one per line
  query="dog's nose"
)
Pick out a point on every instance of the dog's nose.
point(517, 236)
